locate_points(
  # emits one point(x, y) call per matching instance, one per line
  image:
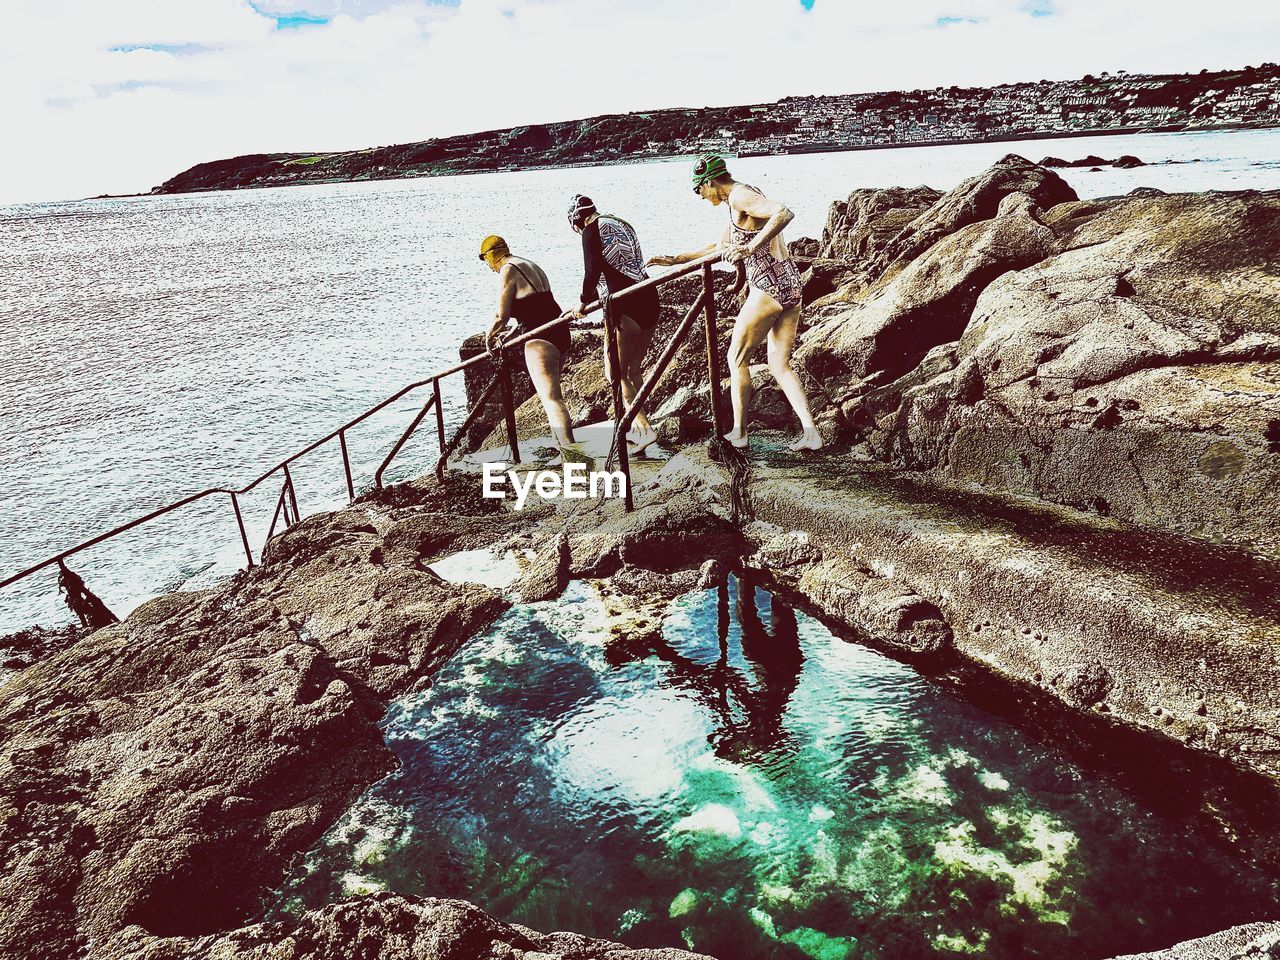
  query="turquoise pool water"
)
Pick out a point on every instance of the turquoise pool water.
point(749, 785)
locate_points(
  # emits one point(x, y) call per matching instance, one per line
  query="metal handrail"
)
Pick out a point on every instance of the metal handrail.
point(288, 498)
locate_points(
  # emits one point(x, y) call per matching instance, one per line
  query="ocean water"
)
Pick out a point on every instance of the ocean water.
point(750, 786)
point(153, 347)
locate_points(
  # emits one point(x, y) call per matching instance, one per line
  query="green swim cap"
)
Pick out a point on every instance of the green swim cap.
point(708, 167)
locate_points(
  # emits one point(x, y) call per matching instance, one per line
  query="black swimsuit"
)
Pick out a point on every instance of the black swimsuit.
point(611, 255)
point(536, 309)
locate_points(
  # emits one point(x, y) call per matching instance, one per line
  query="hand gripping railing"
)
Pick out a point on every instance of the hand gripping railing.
point(287, 509)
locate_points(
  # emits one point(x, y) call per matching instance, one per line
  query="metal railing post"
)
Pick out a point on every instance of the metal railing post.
point(346, 465)
point(404, 438)
point(615, 389)
point(713, 350)
point(293, 497)
point(435, 387)
point(244, 537)
point(508, 406)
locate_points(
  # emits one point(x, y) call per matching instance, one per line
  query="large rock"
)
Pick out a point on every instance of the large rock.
point(383, 927)
point(1135, 374)
point(977, 198)
point(927, 304)
point(861, 226)
point(163, 771)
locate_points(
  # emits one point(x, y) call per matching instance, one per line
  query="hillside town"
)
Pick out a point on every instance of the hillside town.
point(1107, 103)
point(1047, 108)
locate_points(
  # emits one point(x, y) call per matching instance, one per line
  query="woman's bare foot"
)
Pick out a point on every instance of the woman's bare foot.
point(641, 440)
point(739, 440)
point(809, 440)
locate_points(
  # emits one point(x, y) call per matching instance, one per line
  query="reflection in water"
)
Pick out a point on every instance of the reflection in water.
point(748, 704)
point(745, 784)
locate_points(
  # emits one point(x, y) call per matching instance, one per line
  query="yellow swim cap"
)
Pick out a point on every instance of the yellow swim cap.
point(493, 246)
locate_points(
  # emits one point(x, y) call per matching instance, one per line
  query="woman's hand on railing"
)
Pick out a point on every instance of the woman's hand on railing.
point(577, 313)
point(493, 340)
point(736, 253)
point(663, 260)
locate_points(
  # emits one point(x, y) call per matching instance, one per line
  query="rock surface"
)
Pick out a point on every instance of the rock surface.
point(1169, 636)
point(383, 927)
point(1253, 941)
point(162, 772)
point(1135, 374)
point(1118, 356)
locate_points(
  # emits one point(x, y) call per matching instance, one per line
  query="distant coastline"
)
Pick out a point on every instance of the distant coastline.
point(1091, 106)
point(569, 164)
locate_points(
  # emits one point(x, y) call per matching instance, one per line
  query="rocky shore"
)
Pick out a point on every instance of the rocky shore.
point(1055, 432)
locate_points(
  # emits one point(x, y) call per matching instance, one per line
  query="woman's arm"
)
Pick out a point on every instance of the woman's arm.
point(592, 261)
point(758, 207)
point(506, 296)
point(678, 258)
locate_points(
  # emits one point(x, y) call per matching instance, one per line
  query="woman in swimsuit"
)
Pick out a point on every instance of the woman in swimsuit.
point(772, 309)
point(526, 298)
point(612, 261)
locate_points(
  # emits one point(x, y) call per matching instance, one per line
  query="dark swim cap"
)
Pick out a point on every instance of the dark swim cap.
point(580, 208)
point(708, 167)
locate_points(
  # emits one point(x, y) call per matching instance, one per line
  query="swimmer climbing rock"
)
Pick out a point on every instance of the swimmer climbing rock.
point(753, 238)
point(612, 262)
point(526, 298)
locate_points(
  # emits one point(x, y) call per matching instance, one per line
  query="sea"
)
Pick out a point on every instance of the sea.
point(154, 347)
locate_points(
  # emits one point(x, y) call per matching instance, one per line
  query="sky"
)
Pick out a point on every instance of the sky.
point(116, 96)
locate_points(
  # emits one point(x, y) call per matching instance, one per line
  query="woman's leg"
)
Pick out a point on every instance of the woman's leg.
point(749, 331)
point(543, 361)
point(782, 337)
point(633, 344)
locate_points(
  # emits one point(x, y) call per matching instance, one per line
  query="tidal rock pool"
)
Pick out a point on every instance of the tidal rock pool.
point(746, 784)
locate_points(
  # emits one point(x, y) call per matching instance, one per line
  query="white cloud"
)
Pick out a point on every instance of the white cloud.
point(88, 108)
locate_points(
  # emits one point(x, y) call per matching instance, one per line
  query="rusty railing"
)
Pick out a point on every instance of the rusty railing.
point(287, 508)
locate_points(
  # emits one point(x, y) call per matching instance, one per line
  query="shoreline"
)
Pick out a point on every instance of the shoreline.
point(668, 158)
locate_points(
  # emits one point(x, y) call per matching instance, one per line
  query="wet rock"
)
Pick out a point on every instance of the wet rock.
point(1252, 941)
point(382, 927)
point(673, 527)
point(548, 575)
point(1084, 684)
point(1127, 162)
point(786, 551)
point(887, 611)
point(21, 649)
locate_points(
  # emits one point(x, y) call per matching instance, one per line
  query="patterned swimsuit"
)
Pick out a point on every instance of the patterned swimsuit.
point(780, 279)
point(611, 254)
